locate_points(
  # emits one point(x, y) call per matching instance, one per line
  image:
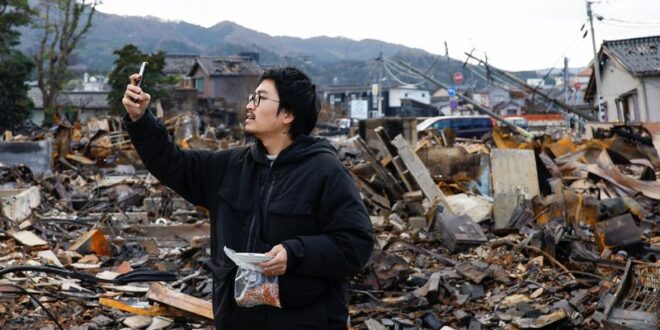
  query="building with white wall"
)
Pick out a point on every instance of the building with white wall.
point(630, 74)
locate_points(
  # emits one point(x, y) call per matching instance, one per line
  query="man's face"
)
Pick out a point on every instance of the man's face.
point(262, 120)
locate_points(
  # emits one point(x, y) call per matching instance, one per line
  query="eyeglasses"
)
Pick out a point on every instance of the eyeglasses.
point(256, 99)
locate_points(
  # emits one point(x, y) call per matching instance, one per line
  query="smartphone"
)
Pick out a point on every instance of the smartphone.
point(141, 73)
point(139, 82)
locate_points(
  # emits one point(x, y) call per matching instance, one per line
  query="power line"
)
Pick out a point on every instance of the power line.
point(600, 17)
point(387, 69)
point(481, 75)
point(561, 57)
point(400, 70)
point(403, 70)
point(627, 26)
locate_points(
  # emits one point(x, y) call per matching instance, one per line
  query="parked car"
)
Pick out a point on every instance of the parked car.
point(464, 126)
point(340, 126)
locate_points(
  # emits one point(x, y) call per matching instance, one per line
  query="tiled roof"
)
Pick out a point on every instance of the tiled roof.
point(87, 100)
point(334, 89)
point(639, 55)
point(505, 104)
point(178, 64)
point(228, 65)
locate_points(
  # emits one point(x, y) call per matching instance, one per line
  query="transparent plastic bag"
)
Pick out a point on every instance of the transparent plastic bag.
point(251, 286)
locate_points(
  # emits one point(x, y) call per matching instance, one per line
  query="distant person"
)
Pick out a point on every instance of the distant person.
point(287, 189)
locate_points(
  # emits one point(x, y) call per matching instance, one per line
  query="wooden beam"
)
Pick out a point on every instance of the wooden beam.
point(404, 174)
point(392, 153)
point(156, 310)
point(160, 293)
point(396, 162)
point(392, 187)
point(420, 173)
point(385, 138)
point(372, 194)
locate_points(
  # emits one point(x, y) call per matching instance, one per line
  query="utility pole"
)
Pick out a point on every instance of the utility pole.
point(602, 116)
point(453, 104)
point(380, 88)
point(566, 82)
point(563, 108)
point(448, 62)
point(468, 100)
point(566, 78)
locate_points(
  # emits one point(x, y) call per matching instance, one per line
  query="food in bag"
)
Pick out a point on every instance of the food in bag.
point(251, 286)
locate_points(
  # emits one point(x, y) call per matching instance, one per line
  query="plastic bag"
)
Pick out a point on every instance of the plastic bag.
point(251, 286)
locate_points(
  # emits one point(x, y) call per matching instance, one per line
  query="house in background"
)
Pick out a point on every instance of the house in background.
point(338, 97)
point(87, 104)
point(232, 78)
point(497, 95)
point(535, 82)
point(408, 101)
point(630, 76)
point(341, 99)
point(222, 85)
point(414, 108)
point(440, 100)
point(218, 86)
point(507, 108)
point(183, 97)
point(502, 101)
point(88, 96)
point(178, 65)
point(397, 101)
point(481, 97)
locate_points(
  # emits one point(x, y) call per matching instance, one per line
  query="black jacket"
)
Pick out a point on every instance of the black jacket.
point(306, 201)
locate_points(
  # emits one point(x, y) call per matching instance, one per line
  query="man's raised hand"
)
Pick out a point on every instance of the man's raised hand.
point(135, 100)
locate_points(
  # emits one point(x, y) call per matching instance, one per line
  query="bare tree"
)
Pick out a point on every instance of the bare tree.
point(64, 23)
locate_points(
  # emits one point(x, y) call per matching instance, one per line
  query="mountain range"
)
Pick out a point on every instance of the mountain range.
point(329, 60)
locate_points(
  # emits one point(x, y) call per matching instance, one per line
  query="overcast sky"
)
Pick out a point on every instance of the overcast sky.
point(515, 34)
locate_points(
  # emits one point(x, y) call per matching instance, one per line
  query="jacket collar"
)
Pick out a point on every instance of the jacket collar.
point(302, 147)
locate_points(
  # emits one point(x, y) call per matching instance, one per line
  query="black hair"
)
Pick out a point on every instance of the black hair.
point(297, 95)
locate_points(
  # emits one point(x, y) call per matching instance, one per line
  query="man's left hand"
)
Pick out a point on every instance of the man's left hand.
point(277, 265)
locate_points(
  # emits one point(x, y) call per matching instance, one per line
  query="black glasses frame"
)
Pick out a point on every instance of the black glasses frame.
point(256, 99)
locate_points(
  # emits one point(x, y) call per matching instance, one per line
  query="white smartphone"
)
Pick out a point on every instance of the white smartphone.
point(141, 73)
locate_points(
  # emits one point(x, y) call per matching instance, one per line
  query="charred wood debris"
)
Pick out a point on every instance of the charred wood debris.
point(500, 233)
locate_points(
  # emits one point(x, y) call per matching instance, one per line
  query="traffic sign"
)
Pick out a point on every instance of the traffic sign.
point(458, 78)
point(451, 91)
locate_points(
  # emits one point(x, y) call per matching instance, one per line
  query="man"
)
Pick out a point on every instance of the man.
point(286, 195)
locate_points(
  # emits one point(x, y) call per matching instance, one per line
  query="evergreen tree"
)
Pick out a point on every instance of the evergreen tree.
point(128, 62)
point(15, 67)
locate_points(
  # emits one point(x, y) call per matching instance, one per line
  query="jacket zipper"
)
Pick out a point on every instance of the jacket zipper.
point(247, 249)
point(263, 211)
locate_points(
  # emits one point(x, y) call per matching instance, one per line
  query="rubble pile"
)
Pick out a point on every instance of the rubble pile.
point(551, 233)
point(93, 250)
point(87, 245)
